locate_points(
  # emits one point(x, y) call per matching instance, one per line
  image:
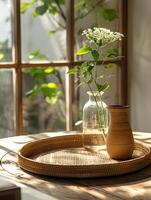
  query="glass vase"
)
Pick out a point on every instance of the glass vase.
point(95, 116)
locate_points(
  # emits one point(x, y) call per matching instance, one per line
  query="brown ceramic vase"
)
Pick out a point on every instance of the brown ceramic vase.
point(120, 142)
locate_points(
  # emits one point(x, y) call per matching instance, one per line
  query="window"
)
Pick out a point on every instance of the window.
point(37, 47)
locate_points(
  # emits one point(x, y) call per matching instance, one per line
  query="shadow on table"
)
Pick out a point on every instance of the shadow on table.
point(131, 178)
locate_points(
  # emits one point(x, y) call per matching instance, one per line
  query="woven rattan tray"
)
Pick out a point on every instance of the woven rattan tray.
point(64, 156)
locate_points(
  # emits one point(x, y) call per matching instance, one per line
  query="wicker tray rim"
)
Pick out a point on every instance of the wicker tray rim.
point(31, 165)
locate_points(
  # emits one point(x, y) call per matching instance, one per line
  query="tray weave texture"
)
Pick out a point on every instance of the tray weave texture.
point(64, 156)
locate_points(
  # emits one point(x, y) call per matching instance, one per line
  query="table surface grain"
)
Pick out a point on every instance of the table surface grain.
point(131, 186)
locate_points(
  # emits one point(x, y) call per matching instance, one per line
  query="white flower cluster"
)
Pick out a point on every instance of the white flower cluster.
point(101, 36)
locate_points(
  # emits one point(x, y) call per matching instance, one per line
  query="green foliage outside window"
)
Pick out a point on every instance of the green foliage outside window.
point(48, 81)
point(56, 7)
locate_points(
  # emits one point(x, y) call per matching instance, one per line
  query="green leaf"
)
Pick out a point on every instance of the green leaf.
point(73, 71)
point(40, 10)
point(50, 92)
point(102, 87)
point(111, 53)
point(37, 55)
point(52, 32)
point(61, 2)
point(52, 99)
point(47, 2)
point(89, 79)
point(52, 9)
point(25, 6)
point(95, 55)
point(110, 65)
point(1, 56)
point(90, 66)
point(109, 14)
point(49, 89)
point(86, 69)
point(33, 71)
point(81, 84)
point(83, 69)
point(39, 73)
point(83, 50)
point(49, 70)
point(79, 4)
point(33, 92)
point(44, 72)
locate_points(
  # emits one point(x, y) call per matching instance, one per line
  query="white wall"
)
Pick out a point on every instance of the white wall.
point(139, 63)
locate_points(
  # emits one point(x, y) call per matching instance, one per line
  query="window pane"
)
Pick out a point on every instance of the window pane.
point(43, 30)
point(90, 14)
point(44, 99)
point(7, 104)
point(5, 31)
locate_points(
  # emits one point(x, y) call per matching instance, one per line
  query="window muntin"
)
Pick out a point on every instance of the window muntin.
point(72, 97)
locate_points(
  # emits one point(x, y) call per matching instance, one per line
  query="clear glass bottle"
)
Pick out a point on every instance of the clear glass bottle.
point(95, 115)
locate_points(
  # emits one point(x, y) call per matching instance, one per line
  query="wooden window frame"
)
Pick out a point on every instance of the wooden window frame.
point(17, 64)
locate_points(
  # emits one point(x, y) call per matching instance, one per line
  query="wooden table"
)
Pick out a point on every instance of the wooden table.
point(132, 186)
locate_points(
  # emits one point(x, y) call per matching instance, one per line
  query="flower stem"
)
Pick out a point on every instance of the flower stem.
point(98, 111)
point(103, 110)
